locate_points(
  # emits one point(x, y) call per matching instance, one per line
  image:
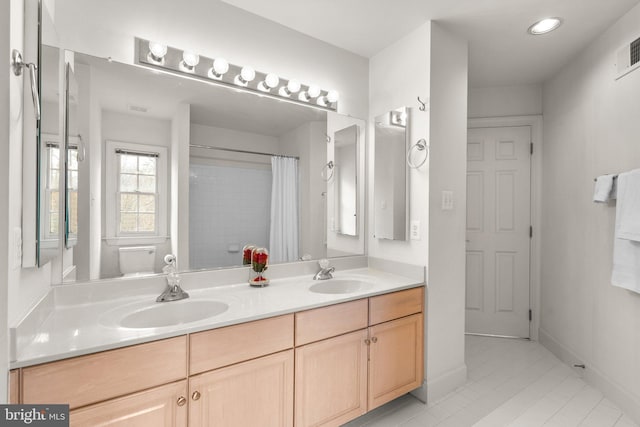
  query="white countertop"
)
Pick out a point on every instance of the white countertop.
point(73, 330)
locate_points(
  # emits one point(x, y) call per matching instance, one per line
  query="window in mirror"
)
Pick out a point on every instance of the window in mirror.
point(51, 205)
point(72, 192)
point(136, 175)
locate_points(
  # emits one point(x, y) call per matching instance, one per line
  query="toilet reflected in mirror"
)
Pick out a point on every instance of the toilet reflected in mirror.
point(136, 260)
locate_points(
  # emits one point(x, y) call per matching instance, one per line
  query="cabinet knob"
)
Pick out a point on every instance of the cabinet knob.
point(374, 339)
point(195, 395)
point(182, 400)
point(367, 341)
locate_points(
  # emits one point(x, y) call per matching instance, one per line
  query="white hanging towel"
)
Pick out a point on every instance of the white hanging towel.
point(604, 189)
point(626, 245)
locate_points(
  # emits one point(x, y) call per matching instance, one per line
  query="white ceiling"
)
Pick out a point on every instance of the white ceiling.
point(501, 52)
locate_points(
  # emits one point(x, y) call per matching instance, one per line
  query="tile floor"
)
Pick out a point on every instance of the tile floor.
point(510, 383)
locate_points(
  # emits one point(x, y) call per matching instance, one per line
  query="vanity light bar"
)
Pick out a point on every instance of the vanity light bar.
point(220, 72)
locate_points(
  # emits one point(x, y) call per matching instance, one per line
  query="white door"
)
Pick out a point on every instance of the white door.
point(498, 231)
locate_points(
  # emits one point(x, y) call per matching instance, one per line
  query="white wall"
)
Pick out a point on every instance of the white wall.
point(592, 127)
point(137, 129)
point(501, 101)
point(390, 89)
point(213, 28)
point(445, 365)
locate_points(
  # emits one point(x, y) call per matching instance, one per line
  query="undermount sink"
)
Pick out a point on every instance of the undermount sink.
point(158, 315)
point(340, 286)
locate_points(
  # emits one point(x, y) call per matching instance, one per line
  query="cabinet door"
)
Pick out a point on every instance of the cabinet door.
point(164, 406)
point(331, 380)
point(396, 359)
point(254, 393)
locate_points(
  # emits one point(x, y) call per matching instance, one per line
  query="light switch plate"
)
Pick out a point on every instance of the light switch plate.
point(447, 200)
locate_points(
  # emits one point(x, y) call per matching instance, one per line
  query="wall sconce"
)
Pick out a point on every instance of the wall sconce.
point(189, 61)
point(220, 67)
point(270, 81)
point(168, 59)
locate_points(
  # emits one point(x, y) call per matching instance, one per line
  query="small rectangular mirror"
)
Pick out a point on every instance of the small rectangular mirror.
point(345, 180)
point(391, 175)
point(48, 222)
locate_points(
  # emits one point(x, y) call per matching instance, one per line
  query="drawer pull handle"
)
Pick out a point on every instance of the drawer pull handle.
point(374, 339)
point(195, 395)
point(182, 400)
point(367, 341)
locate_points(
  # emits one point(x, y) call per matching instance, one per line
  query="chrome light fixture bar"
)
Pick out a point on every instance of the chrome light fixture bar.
point(218, 71)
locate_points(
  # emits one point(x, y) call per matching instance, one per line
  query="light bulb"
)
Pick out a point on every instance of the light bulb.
point(190, 60)
point(293, 86)
point(313, 91)
point(270, 81)
point(220, 66)
point(157, 51)
point(333, 96)
point(247, 74)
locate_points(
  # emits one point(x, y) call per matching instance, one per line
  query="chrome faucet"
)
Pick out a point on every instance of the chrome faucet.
point(325, 272)
point(173, 292)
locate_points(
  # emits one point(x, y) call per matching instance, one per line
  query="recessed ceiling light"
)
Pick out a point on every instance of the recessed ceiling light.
point(544, 26)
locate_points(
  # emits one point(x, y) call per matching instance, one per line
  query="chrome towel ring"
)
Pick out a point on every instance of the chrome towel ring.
point(421, 145)
point(327, 171)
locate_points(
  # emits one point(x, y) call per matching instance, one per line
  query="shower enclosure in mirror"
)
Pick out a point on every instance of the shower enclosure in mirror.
point(391, 175)
point(159, 164)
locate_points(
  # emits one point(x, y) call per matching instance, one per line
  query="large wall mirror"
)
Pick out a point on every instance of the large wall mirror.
point(157, 164)
point(391, 176)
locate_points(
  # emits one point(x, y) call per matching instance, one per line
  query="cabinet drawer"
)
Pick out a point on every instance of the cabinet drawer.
point(393, 306)
point(326, 322)
point(232, 344)
point(96, 377)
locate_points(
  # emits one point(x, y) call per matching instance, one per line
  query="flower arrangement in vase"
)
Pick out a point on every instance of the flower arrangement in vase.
point(259, 263)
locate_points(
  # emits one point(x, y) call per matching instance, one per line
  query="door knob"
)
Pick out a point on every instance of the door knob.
point(182, 400)
point(374, 339)
point(195, 395)
point(367, 341)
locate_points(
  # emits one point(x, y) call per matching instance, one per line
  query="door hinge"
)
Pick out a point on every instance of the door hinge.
point(530, 231)
point(531, 145)
point(530, 315)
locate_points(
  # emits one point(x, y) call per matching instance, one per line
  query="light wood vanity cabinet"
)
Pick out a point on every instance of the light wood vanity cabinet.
point(346, 374)
point(342, 361)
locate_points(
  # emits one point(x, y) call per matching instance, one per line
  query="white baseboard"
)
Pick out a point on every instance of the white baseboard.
point(434, 389)
point(626, 400)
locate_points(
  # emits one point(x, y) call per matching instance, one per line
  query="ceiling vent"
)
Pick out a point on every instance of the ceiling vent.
point(628, 58)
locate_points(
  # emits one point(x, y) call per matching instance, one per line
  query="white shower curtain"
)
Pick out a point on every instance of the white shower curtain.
point(283, 235)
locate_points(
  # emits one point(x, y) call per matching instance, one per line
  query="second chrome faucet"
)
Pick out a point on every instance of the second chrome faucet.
point(173, 292)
